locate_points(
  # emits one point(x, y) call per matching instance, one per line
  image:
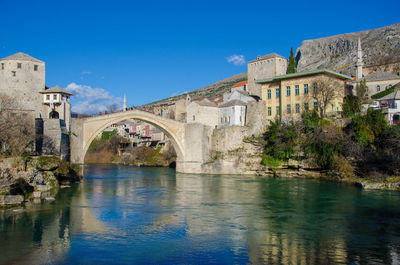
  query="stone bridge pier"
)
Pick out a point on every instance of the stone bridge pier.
point(192, 142)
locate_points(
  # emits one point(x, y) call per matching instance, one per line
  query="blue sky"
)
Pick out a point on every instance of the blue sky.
point(151, 50)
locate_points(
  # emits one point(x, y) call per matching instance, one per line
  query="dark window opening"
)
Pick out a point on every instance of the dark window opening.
point(19, 65)
point(54, 115)
point(35, 67)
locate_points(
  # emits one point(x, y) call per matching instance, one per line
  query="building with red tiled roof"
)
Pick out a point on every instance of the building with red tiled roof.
point(240, 86)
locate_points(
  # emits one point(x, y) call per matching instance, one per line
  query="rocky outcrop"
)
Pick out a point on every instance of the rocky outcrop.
point(381, 47)
point(38, 177)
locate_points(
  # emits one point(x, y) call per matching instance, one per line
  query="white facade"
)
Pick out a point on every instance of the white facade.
point(56, 105)
point(232, 115)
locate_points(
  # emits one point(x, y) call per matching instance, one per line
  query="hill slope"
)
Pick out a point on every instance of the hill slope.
point(214, 90)
point(380, 46)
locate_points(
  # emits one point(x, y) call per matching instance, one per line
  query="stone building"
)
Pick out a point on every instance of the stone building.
point(203, 111)
point(56, 105)
point(264, 67)
point(287, 96)
point(22, 78)
point(240, 86)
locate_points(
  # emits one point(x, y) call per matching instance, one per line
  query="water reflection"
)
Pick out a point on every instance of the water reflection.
point(151, 215)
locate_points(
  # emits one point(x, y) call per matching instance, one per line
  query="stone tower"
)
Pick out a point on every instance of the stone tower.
point(264, 67)
point(22, 78)
point(359, 64)
point(124, 104)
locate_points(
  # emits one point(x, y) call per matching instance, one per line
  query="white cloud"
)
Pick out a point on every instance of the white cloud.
point(86, 72)
point(91, 100)
point(236, 59)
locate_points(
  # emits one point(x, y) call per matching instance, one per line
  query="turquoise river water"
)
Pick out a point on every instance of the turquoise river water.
point(130, 215)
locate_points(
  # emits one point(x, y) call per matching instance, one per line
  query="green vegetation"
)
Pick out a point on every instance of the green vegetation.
point(384, 93)
point(270, 161)
point(107, 141)
point(366, 147)
point(292, 65)
point(351, 105)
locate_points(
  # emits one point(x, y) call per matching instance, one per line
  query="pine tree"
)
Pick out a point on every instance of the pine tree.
point(292, 63)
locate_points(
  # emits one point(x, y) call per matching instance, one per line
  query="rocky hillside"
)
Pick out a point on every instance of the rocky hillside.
point(380, 47)
point(214, 90)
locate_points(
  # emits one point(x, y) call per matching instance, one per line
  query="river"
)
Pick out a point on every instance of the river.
point(131, 215)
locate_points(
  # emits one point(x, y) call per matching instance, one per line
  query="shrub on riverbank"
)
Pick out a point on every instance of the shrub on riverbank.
point(367, 144)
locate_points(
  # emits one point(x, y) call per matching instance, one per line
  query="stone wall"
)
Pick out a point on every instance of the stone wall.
point(23, 84)
point(55, 138)
point(256, 118)
point(230, 154)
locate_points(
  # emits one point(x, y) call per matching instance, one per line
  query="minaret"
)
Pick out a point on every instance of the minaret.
point(124, 104)
point(359, 70)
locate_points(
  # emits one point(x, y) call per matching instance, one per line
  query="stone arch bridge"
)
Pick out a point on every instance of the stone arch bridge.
point(191, 141)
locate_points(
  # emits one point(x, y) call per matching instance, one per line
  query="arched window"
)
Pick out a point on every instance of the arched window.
point(54, 115)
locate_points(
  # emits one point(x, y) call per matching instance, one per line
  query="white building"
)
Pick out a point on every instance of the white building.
point(232, 113)
point(56, 105)
point(390, 105)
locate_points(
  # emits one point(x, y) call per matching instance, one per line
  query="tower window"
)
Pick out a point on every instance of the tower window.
point(35, 67)
point(2, 66)
point(47, 97)
point(54, 97)
point(14, 73)
point(19, 65)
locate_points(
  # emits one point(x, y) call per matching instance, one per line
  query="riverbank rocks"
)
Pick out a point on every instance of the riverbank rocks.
point(11, 200)
point(35, 177)
point(378, 185)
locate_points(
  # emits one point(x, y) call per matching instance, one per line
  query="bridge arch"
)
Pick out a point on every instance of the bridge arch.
point(86, 130)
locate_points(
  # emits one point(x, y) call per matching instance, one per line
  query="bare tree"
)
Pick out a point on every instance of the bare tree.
point(112, 108)
point(16, 127)
point(325, 92)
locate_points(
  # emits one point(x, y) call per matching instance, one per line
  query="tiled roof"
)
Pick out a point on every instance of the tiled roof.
point(56, 89)
point(240, 84)
point(231, 103)
point(379, 75)
point(21, 57)
point(268, 56)
point(301, 74)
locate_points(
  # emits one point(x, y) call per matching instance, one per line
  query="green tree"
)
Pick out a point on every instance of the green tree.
point(361, 89)
point(280, 140)
point(351, 105)
point(292, 66)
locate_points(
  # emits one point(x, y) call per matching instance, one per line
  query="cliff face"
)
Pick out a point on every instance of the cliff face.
point(380, 47)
